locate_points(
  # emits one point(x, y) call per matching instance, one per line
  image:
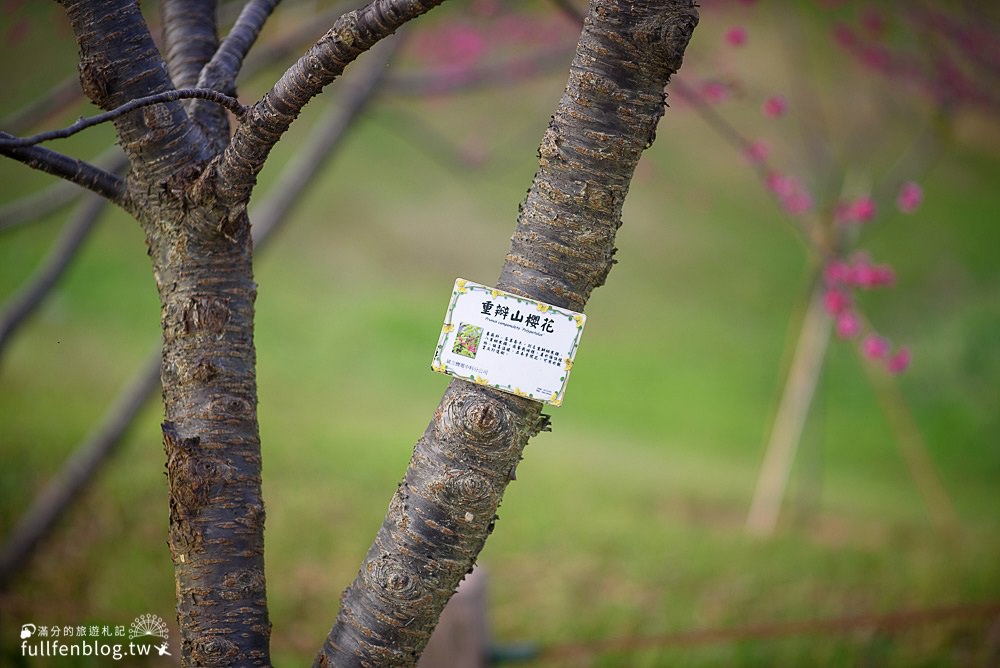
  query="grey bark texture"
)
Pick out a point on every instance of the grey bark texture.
point(563, 247)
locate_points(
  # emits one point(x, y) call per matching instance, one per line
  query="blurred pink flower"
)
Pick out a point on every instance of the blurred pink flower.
point(736, 36)
point(864, 274)
point(835, 301)
point(910, 197)
point(467, 44)
point(714, 92)
point(775, 106)
point(837, 271)
point(848, 325)
point(795, 199)
point(874, 347)
point(864, 209)
point(899, 362)
point(861, 210)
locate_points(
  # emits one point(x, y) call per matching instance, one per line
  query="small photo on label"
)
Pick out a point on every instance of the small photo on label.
point(467, 340)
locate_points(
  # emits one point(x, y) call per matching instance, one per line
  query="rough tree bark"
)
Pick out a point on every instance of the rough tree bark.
point(562, 249)
point(191, 203)
point(188, 185)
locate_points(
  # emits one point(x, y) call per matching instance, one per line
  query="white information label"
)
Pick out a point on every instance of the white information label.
point(515, 344)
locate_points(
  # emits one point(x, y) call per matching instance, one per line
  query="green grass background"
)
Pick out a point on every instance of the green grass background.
point(627, 519)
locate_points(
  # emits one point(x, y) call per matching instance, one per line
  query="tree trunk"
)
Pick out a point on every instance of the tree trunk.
point(562, 249)
point(202, 263)
point(212, 446)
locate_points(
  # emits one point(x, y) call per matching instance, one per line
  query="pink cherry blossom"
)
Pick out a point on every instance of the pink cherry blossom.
point(864, 274)
point(848, 325)
point(795, 199)
point(837, 271)
point(899, 362)
point(835, 301)
point(775, 106)
point(910, 197)
point(861, 210)
point(874, 347)
point(864, 209)
point(736, 36)
point(714, 92)
point(882, 274)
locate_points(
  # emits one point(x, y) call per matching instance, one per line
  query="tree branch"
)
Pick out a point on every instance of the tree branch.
point(265, 123)
point(230, 103)
point(291, 42)
point(320, 145)
point(32, 292)
point(562, 249)
point(76, 171)
point(57, 195)
point(190, 37)
point(220, 72)
point(119, 62)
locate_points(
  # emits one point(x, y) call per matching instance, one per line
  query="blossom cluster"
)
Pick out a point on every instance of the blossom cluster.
point(842, 278)
point(827, 226)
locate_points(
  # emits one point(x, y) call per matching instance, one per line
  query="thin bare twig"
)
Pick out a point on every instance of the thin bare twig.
point(230, 103)
point(73, 170)
point(50, 199)
point(290, 43)
point(912, 447)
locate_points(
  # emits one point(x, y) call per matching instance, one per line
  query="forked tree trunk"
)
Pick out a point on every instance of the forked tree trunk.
point(202, 262)
point(562, 249)
point(188, 186)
